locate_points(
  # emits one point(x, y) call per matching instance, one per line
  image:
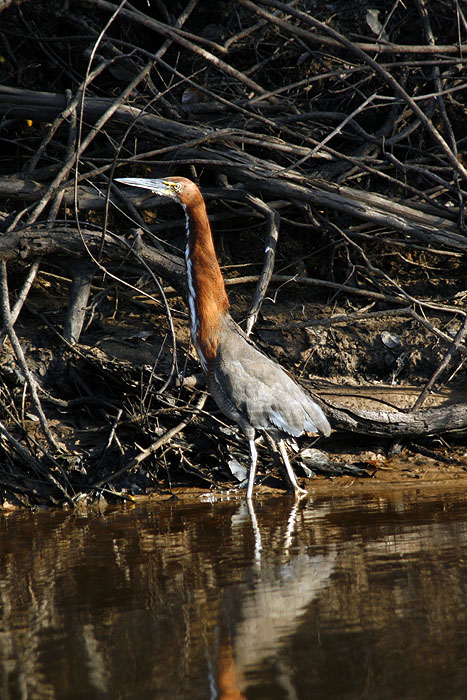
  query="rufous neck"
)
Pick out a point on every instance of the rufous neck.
point(208, 299)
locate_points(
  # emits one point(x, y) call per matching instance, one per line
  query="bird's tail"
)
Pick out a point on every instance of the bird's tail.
point(316, 421)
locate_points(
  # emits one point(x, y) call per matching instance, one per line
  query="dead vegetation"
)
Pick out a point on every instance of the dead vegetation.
point(342, 124)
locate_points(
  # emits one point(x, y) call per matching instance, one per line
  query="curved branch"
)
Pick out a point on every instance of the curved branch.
point(452, 417)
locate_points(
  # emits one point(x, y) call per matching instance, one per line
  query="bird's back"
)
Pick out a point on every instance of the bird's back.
point(251, 388)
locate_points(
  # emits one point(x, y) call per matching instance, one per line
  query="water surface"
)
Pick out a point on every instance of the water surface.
point(345, 596)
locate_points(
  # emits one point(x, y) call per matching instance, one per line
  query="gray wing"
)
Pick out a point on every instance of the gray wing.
point(261, 391)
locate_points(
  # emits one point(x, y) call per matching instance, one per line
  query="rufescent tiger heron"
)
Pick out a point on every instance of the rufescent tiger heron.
point(248, 387)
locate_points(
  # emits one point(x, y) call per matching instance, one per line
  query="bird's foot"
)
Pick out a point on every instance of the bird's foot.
point(299, 492)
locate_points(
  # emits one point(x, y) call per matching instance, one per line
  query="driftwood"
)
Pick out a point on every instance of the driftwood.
point(42, 240)
point(429, 224)
point(398, 424)
point(344, 139)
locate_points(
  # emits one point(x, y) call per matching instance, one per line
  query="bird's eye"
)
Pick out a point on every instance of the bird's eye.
point(178, 187)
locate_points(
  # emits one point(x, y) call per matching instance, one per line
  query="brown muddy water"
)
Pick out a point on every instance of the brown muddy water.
point(346, 595)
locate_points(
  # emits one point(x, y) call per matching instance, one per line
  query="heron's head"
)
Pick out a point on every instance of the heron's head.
point(180, 189)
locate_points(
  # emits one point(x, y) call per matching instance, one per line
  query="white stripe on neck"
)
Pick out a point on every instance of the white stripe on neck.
point(194, 320)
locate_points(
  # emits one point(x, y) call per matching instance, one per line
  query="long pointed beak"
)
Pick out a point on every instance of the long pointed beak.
point(156, 186)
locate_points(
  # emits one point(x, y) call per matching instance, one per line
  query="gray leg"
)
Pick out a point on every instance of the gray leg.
point(251, 476)
point(293, 479)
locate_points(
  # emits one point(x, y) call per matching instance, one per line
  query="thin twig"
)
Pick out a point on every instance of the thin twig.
point(460, 335)
point(273, 219)
point(21, 298)
point(163, 440)
point(30, 381)
point(179, 37)
point(379, 69)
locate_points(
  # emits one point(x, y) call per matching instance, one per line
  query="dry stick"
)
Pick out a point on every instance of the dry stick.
point(18, 305)
point(250, 30)
point(82, 275)
point(70, 149)
point(348, 319)
point(22, 451)
point(82, 272)
point(178, 37)
point(440, 101)
point(48, 475)
point(385, 47)
point(112, 436)
point(159, 53)
point(139, 77)
point(46, 105)
point(168, 315)
point(426, 173)
point(181, 19)
point(327, 138)
point(460, 16)
point(102, 120)
point(303, 83)
point(244, 33)
point(382, 72)
point(238, 108)
point(427, 421)
point(379, 273)
point(58, 179)
point(372, 207)
point(7, 322)
point(173, 33)
point(312, 282)
point(58, 121)
point(338, 73)
point(235, 135)
point(273, 219)
point(165, 125)
point(144, 454)
point(437, 75)
point(444, 363)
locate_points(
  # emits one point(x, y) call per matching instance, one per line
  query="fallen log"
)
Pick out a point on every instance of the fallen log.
point(431, 225)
